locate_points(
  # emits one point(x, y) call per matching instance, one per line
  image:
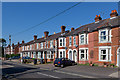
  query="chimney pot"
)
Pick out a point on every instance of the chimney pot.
point(72, 29)
point(114, 13)
point(98, 18)
point(54, 33)
point(35, 37)
point(46, 34)
point(63, 29)
point(22, 41)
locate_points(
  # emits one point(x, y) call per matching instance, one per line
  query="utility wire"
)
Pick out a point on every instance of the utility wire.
point(48, 19)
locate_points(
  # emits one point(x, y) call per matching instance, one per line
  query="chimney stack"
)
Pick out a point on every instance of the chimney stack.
point(46, 34)
point(12, 44)
point(98, 18)
point(18, 43)
point(72, 29)
point(114, 13)
point(63, 29)
point(54, 33)
point(35, 37)
point(22, 41)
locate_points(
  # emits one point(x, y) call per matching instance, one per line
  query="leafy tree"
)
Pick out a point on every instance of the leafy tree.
point(2, 45)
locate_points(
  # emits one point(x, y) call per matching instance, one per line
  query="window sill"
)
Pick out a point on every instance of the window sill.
point(106, 42)
point(105, 60)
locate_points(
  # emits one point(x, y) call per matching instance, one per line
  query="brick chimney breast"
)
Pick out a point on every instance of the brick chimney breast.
point(63, 29)
point(98, 18)
point(22, 41)
point(46, 34)
point(114, 13)
point(72, 29)
point(35, 37)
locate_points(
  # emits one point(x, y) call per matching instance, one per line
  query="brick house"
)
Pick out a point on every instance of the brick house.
point(97, 42)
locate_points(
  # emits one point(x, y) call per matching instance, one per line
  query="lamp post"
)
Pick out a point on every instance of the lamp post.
point(10, 45)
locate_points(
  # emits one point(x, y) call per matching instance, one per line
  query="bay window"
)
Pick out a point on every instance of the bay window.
point(83, 54)
point(105, 35)
point(104, 53)
point(62, 53)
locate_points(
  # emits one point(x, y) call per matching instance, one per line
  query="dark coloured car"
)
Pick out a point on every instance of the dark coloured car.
point(26, 57)
point(62, 62)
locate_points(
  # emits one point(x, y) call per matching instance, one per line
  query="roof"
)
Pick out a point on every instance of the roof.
point(96, 25)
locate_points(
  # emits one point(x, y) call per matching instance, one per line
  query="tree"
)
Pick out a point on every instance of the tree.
point(2, 45)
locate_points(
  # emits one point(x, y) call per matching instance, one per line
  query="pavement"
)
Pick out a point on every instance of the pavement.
point(49, 71)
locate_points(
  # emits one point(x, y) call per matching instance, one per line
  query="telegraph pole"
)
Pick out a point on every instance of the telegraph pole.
point(10, 45)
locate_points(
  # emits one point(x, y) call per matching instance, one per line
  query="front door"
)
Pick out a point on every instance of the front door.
point(75, 56)
point(70, 55)
point(118, 57)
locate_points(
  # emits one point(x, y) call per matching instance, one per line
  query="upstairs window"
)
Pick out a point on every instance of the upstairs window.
point(74, 40)
point(70, 41)
point(104, 35)
point(37, 45)
point(45, 44)
point(23, 48)
point(41, 45)
point(61, 42)
point(30, 47)
point(83, 39)
point(51, 44)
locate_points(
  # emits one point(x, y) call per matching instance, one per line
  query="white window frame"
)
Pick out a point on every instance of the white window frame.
point(108, 35)
point(23, 48)
point(70, 41)
point(41, 45)
point(48, 55)
point(37, 45)
point(63, 42)
point(62, 50)
point(105, 48)
point(85, 38)
point(85, 59)
point(74, 40)
point(51, 44)
point(30, 47)
point(45, 44)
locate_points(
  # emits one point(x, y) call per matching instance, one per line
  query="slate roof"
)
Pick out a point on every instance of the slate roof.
point(95, 26)
point(85, 28)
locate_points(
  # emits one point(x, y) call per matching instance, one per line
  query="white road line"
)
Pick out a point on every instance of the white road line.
point(48, 75)
point(75, 74)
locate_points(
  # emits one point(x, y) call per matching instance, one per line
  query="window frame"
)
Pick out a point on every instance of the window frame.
point(63, 42)
point(70, 41)
point(63, 52)
point(108, 53)
point(86, 58)
point(85, 36)
point(108, 35)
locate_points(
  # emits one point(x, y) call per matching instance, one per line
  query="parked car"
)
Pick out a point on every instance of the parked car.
point(26, 57)
point(62, 62)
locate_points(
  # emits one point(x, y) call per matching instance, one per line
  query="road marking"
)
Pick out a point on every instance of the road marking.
point(75, 74)
point(114, 74)
point(48, 75)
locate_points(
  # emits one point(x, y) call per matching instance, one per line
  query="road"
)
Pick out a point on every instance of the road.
point(15, 71)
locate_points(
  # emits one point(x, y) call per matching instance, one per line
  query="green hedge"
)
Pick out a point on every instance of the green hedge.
point(11, 55)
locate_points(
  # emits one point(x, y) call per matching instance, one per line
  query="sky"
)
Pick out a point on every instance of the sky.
point(19, 16)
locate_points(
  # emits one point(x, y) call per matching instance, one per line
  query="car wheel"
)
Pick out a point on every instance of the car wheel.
point(62, 65)
point(55, 66)
point(73, 64)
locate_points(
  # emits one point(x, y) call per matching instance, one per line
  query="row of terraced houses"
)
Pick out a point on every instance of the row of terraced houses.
point(97, 42)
